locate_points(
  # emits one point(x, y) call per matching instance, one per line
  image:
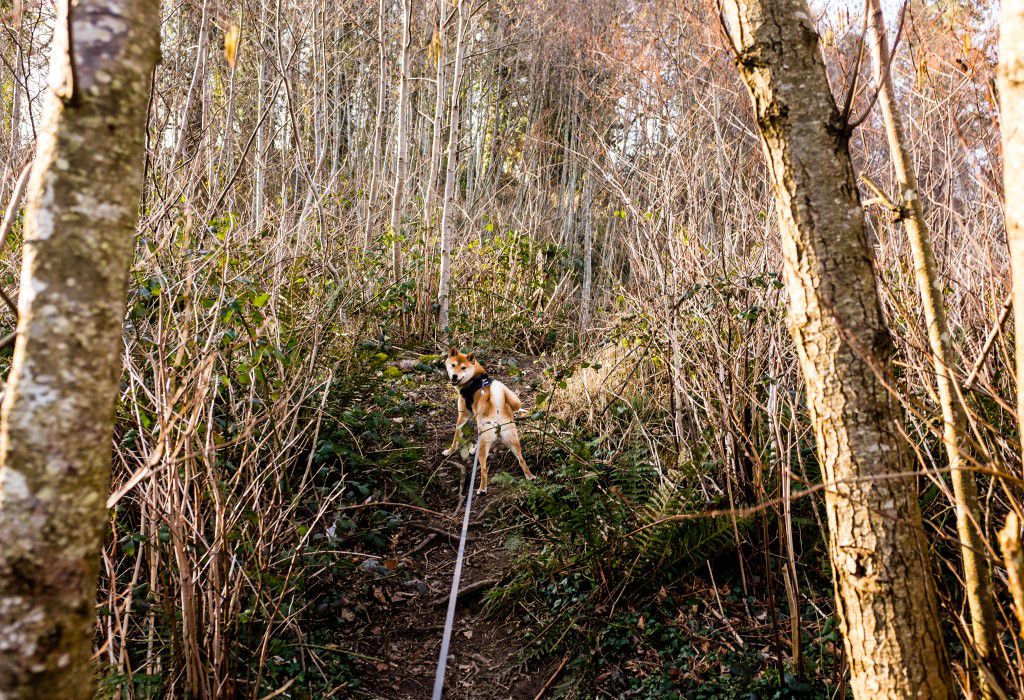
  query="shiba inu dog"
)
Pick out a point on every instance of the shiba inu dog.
point(493, 404)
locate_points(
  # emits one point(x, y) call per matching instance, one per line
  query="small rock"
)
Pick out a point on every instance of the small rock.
point(373, 566)
point(795, 684)
point(416, 585)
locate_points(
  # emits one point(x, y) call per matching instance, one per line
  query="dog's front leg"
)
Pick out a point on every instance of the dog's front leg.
point(464, 416)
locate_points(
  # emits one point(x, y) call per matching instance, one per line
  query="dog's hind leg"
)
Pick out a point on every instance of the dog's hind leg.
point(510, 436)
point(486, 440)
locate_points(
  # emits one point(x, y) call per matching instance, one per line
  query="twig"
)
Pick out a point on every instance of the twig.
point(1004, 313)
point(12, 206)
point(551, 680)
point(8, 224)
point(418, 548)
point(436, 531)
point(470, 588)
point(280, 691)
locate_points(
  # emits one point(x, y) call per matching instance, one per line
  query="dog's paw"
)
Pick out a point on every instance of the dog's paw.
point(448, 452)
point(481, 492)
point(531, 477)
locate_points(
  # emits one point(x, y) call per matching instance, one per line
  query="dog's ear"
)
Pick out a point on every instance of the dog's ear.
point(453, 351)
point(471, 357)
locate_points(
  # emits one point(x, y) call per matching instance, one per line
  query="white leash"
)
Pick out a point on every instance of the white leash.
point(449, 621)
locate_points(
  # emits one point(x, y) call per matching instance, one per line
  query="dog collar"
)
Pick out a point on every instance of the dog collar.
point(480, 381)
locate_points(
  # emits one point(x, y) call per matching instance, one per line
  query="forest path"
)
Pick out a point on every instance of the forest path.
point(485, 659)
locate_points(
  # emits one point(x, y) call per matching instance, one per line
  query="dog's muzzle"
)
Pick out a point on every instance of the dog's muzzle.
point(455, 380)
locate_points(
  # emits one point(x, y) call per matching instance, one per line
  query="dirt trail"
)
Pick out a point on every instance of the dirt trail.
point(485, 660)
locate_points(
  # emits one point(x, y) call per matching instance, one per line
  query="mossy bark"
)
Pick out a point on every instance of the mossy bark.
point(57, 416)
point(884, 589)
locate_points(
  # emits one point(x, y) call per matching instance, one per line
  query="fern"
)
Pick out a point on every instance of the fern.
point(681, 546)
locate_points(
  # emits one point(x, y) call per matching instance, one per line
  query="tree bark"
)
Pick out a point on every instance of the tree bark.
point(884, 590)
point(56, 422)
point(438, 118)
point(977, 574)
point(588, 252)
point(449, 176)
point(378, 129)
point(401, 144)
point(1011, 124)
point(1013, 560)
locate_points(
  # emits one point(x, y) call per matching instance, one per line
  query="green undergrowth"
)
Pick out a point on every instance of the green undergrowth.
point(299, 622)
point(373, 444)
point(619, 558)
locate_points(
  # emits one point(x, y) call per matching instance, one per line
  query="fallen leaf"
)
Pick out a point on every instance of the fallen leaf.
point(231, 36)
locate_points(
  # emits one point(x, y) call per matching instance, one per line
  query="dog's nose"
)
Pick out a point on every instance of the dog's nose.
point(455, 380)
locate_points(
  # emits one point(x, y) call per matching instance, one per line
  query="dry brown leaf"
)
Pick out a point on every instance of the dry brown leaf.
point(231, 36)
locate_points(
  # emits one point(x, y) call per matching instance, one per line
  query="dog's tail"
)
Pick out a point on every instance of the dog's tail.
point(513, 400)
point(505, 397)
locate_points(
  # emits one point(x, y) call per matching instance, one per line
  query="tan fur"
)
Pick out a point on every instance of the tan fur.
point(494, 407)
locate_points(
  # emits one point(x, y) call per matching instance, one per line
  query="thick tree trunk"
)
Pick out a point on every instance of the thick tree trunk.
point(884, 590)
point(1013, 560)
point(1011, 123)
point(977, 574)
point(57, 416)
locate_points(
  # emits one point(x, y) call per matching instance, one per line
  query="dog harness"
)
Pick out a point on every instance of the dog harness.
point(480, 381)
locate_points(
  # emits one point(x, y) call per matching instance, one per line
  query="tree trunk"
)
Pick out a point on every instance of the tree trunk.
point(435, 131)
point(56, 422)
point(977, 574)
point(588, 252)
point(449, 176)
point(191, 131)
point(1013, 560)
point(378, 129)
point(262, 83)
point(884, 590)
point(401, 144)
point(1011, 122)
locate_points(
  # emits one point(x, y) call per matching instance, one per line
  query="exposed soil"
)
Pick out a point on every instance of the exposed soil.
point(486, 653)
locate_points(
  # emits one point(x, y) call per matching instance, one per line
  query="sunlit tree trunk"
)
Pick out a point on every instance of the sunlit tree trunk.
point(588, 251)
point(449, 176)
point(378, 130)
point(1011, 122)
point(884, 591)
point(190, 133)
point(18, 78)
point(57, 417)
point(401, 143)
point(437, 50)
point(260, 179)
point(977, 574)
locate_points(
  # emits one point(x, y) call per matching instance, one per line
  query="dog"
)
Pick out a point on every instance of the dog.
point(493, 404)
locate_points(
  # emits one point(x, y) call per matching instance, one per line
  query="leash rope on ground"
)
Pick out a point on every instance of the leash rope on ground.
point(449, 620)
